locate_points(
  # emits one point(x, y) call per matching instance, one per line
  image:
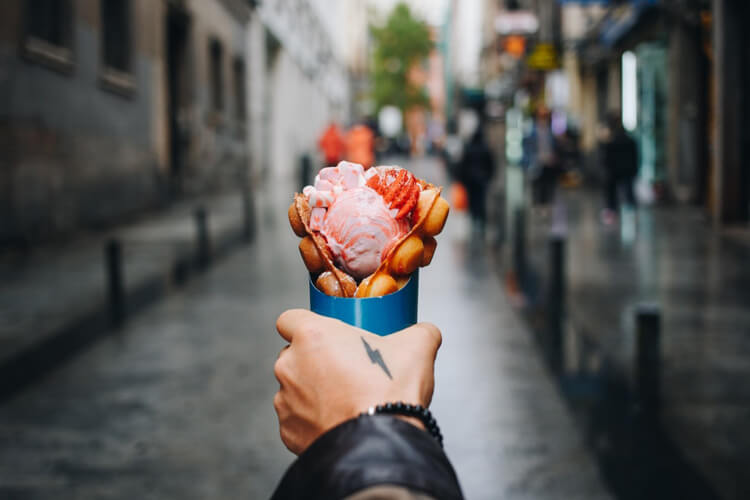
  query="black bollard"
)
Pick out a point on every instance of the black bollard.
point(519, 246)
point(305, 169)
point(116, 284)
point(202, 242)
point(556, 303)
point(647, 360)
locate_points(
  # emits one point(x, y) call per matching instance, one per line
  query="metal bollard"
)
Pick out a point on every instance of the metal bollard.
point(647, 359)
point(203, 245)
point(116, 284)
point(556, 302)
point(305, 169)
point(519, 246)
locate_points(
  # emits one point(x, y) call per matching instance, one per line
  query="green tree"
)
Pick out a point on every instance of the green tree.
point(400, 43)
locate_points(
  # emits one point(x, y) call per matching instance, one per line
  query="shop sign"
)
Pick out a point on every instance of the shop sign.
point(544, 57)
point(514, 45)
point(516, 22)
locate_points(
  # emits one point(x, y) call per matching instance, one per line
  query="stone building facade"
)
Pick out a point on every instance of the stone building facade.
point(112, 107)
point(304, 82)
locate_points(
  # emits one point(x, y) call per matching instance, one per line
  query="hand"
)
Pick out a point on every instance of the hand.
point(331, 372)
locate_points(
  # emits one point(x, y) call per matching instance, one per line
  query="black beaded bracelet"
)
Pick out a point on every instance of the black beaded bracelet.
point(410, 410)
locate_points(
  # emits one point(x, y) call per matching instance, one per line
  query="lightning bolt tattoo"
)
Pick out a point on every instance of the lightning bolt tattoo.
point(376, 358)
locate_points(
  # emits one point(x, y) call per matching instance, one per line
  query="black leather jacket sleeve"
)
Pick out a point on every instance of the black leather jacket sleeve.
point(370, 451)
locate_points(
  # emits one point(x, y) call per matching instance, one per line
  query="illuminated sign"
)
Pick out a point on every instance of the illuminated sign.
point(515, 45)
point(543, 57)
point(516, 22)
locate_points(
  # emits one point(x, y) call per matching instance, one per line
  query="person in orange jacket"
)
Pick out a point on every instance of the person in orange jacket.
point(360, 145)
point(332, 144)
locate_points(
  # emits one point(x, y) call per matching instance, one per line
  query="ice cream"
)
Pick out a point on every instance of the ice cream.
point(364, 232)
point(360, 230)
point(358, 226)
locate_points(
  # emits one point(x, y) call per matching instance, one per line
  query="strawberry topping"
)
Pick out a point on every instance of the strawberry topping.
point(401, 193)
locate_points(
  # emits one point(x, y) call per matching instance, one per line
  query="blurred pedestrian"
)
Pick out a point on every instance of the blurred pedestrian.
point(360, 145)
point(546, 158)
point(570, 157)
point(353, 406)
point(452, 149)
point(475, 172)
point(619, 153)
point(332, 144)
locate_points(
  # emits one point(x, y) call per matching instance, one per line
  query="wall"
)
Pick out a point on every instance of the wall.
point(218, 151)
point(298, 114)
point(259, 110)
point(589, 112)
point(614, 84)
point(74, 153)
point(307, 85)
point(685, 138)
point(730, 190)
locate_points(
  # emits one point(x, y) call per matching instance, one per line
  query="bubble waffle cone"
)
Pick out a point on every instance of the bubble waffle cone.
point(414, 249)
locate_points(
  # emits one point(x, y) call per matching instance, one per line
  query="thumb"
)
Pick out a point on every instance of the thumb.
point(423, 337)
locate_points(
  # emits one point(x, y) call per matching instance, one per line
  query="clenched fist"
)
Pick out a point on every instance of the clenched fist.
point(331, 372)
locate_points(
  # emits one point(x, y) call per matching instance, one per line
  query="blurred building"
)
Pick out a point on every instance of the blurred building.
point(112, 107)
point(355, 43)
point(305, 82)
point(675, 70)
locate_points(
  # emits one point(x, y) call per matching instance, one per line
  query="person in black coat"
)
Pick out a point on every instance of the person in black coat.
point(475, 172)
point(620, 161)
point(352, 405)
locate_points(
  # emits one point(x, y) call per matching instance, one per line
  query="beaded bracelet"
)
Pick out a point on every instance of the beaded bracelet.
point(410, 410)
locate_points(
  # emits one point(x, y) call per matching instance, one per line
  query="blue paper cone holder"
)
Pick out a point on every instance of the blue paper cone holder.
point(380, 315)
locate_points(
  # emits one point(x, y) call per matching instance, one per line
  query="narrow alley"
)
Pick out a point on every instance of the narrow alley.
point(177, 404)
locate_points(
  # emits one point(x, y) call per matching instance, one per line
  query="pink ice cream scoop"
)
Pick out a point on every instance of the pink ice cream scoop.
point(360, 230)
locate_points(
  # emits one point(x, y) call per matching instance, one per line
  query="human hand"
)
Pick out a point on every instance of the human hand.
point(331, 372)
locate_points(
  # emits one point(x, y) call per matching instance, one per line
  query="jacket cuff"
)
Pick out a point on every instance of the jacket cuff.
point(369, 451)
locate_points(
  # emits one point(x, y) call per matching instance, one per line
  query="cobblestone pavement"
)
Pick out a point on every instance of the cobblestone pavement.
point(699, 278)
point(178, 403)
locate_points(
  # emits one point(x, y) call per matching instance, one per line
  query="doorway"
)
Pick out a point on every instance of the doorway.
point(177, 30)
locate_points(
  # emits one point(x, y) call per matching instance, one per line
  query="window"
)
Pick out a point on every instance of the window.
point(239, 89)
point(116, 35)
point(217, 80)
point(49, 33)
point(50, 20)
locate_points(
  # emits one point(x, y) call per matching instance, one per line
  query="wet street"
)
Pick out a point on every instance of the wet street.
point(672, 260)
point(177, 404)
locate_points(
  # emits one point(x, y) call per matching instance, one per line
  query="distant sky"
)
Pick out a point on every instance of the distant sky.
point(433, 11)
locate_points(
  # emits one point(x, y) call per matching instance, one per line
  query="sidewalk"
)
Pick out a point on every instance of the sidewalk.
point(699, 279)
point(55, 299)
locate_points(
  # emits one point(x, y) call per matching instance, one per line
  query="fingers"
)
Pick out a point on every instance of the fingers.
point(282, 351)
point(278, 405)
point(432, 332)
point(307, 325)
point(291, 321)
point(425, 335)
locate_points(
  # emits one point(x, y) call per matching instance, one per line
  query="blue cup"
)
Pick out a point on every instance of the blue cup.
point(380, 315)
